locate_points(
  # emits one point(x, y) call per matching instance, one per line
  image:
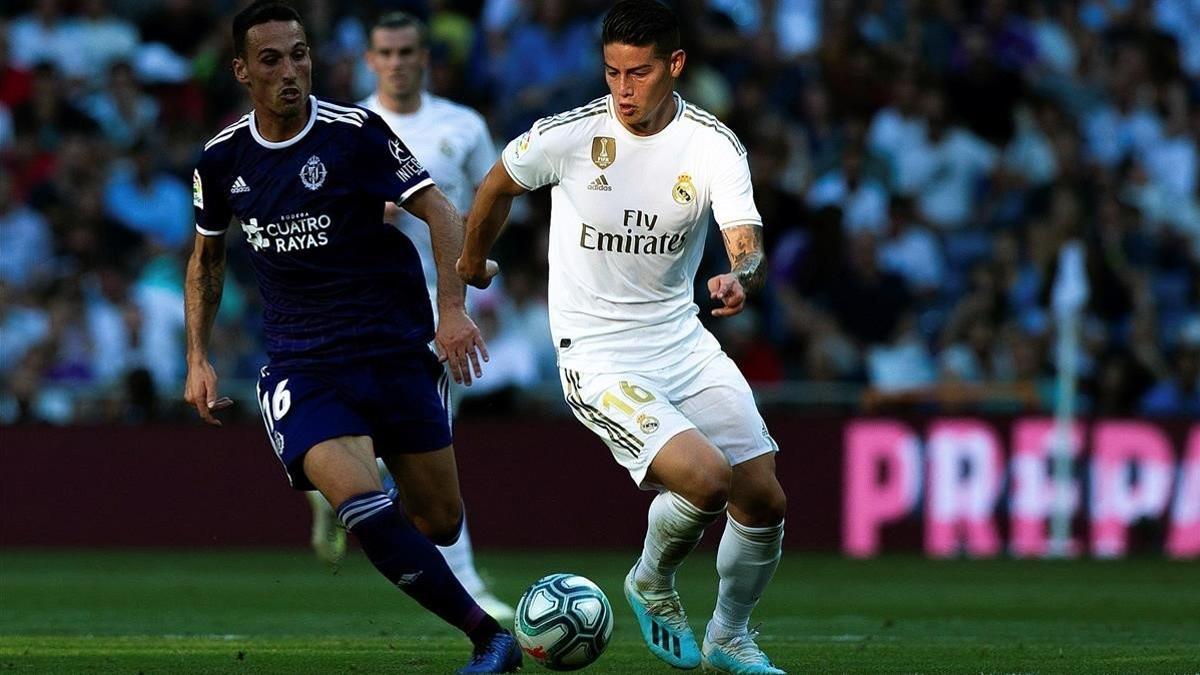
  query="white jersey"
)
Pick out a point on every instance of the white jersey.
point(628, 221)
point(453, 144)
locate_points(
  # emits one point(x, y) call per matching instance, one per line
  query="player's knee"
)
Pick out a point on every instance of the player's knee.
point(774, 508)
point(767, 507)
point(711, 487)
point(443, 526)
point(447, 536)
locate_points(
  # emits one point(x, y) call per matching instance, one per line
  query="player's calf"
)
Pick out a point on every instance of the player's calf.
point(413, 564)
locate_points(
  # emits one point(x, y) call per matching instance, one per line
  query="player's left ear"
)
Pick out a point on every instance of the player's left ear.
point(676, 61)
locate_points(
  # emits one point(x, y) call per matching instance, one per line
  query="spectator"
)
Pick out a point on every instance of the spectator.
point(868, 302)
point(23, 326)
point(28, 247)
point(181, 25)
point(123, 112)
point(41, 124)
point(41, 36)
point(911, 250)
point(862, 199)
point(547, 59)
point(97, 39)
point(148, 201)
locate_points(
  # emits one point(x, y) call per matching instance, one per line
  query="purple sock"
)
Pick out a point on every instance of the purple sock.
point(413, 563)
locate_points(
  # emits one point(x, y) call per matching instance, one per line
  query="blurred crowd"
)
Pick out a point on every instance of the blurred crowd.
point(918, 165)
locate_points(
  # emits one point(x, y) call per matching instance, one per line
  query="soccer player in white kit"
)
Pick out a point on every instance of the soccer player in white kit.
point(635, 175)
point(452, 142)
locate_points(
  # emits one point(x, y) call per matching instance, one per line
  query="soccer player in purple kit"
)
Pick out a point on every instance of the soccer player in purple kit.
point(346, 316)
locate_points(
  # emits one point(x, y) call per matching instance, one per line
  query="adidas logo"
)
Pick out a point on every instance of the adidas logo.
point(601, 183)
point(239, 186)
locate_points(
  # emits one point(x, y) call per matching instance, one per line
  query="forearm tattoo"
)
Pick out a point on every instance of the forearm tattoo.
point(749, 265)
point(210, 282)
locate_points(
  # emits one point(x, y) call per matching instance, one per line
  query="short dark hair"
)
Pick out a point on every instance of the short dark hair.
point(641, 23)
point(396, 20)
point(262, 11)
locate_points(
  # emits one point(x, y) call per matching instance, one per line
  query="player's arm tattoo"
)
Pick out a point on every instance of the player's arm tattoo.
point(202, 292)
point(744, 245)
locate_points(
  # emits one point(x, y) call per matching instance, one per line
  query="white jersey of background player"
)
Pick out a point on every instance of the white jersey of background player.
point(635, 177)
point(453, 144)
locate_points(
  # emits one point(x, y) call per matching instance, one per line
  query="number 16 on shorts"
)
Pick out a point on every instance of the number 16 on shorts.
point(632, 419)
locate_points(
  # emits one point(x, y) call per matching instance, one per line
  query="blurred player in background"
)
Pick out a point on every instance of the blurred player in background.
point(453, 144)
point(635, 175)
point(346, 315)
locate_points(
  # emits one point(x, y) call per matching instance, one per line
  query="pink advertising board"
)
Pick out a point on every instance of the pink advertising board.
point(979, 492)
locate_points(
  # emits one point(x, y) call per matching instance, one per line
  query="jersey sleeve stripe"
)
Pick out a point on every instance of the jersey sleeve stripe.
point(546, 127)
point(343, 117)
point(413, 190)
point(341, 108)
point(573, 113)
point(708, 120)
point(512, 174)
point(210, 233)
point(227, 132)
point(599, 106)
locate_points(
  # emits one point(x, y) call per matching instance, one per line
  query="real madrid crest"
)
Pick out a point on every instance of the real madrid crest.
point(604, 151)
point(684, 192)
point(313, 173)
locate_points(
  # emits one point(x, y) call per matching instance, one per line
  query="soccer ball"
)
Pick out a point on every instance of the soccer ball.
point(564, 621)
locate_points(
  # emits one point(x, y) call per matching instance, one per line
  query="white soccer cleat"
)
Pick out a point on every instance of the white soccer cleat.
point(739, 655)
point(499, 610)
point(328, 537)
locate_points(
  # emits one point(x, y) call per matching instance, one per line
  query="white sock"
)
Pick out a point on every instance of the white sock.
point(746, 561)
point(461, 560)
point(675, 526)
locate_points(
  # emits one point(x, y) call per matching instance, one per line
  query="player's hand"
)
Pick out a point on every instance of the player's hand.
point(726, 289)
point(479, 276)
point(460, 345)
point(201, 391)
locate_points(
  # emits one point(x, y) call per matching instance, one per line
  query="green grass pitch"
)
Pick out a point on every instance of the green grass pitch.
point(282, 612)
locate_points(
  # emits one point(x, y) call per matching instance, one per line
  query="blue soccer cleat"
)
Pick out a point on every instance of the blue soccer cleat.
point(664, 624)
point(501, 654)
point(739, 655)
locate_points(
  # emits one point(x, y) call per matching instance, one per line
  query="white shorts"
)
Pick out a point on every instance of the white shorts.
point(636, 413)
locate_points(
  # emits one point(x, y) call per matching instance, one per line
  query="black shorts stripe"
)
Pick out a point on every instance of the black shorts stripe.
point(602, 419)
point(613, 435)
point(616, 432)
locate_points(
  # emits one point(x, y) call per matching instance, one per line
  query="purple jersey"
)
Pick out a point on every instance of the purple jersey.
point(337, 282)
